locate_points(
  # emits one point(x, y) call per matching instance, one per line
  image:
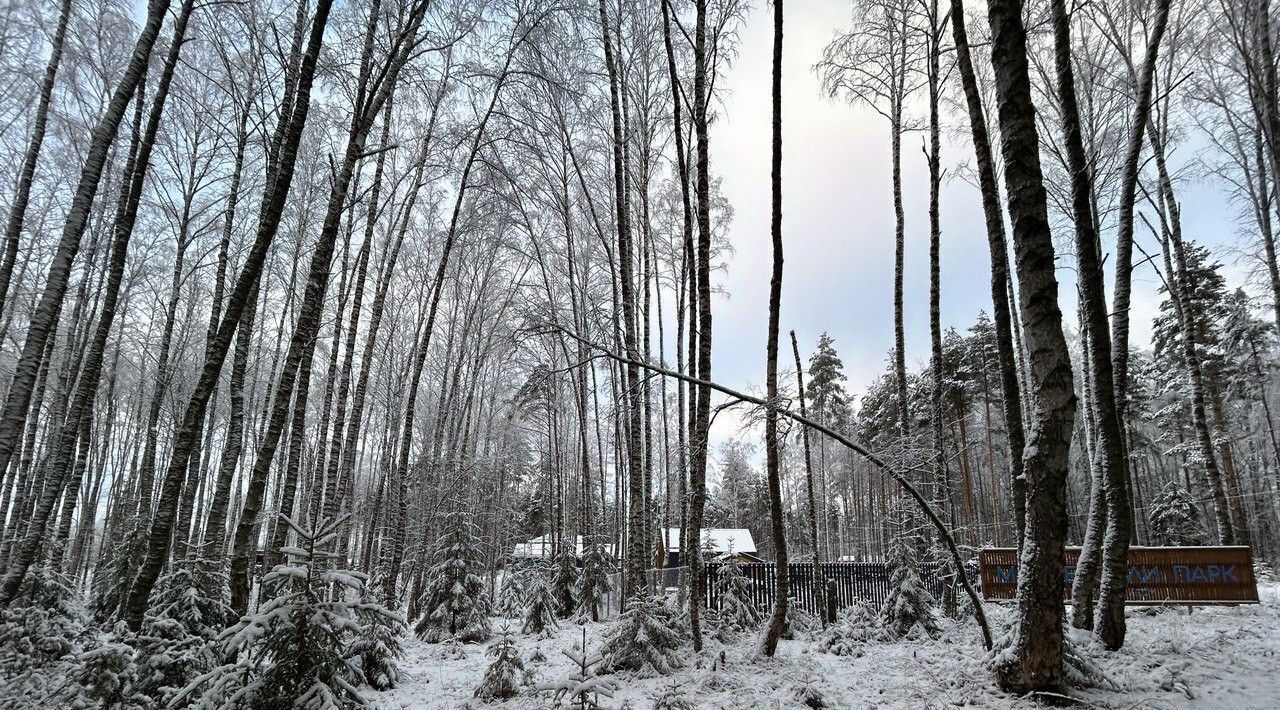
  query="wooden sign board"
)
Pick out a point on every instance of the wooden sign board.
point(1157, 575)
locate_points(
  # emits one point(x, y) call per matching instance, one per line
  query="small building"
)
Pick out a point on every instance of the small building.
point(717, 545)
point(543, 547)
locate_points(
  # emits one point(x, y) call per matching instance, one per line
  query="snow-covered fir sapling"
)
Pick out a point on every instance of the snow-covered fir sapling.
point(108, 674)
point(511, 595)
point(909, 605)
point(506, 674)
point(454, 602)
point(41, 632)
point(540, 605)
point(563, 579)
point(856, 626)
point(1175, 519)
point(800, 622)
point(377, 648)
point(585, 686)
point(189, 607)
point(294, 651)
point(593, 583)
point(672, 696)
point(646, 639)
point(736, 611)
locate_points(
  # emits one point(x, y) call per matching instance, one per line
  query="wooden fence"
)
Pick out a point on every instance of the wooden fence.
point(866, 582)
point(1157, 575)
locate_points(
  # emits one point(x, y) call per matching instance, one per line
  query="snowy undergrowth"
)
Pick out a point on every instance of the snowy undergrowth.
point(1216, 658)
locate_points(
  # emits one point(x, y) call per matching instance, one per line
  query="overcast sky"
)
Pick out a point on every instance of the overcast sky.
point(838, 218)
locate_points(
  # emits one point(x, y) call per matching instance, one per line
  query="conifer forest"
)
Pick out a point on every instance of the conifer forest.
point(444, 354)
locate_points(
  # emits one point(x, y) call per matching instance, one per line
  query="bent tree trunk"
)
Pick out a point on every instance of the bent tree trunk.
point(1033, 659)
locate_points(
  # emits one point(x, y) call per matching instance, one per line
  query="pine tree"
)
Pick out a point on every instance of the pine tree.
point(646, 639)
point(294, 651)
point(736, 612)
point(506, 674)
point(563, 581)
point(1175, 519)
point(584, 687)
point(454, 604)
point(541, 606)
point(593, 583)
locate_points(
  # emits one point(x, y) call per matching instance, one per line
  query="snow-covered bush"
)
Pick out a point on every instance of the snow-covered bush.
point(736, 611)
point(453, 600)
point(585, 686)
point(1175, 519)
point(540, 606)
point(646, 639)
point(593, 583)
point(294, 651)
point(856, 626)
point(563, 580)
point(506, 674)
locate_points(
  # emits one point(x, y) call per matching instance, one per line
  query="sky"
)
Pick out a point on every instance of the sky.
point(838, 219)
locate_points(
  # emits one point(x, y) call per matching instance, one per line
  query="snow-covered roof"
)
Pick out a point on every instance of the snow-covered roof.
point(718, 539)
point(543, 547)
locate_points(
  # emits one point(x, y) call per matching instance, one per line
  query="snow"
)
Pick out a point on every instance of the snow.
point(1216, 658)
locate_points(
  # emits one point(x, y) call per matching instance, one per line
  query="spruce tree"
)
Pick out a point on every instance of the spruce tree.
point(1175, 519)
point(584, 687)
point(909, 605)
point(506, 674)
point(593, 583)
point(736, 611)
point(646, 639)
point(42, 631)
point(563, 580)
point(377, 648)
point(294, 651)
point(453, 600)
point(541, 605)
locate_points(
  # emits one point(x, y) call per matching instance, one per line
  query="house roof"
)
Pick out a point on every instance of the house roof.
point(717, 539)
point(542, 547)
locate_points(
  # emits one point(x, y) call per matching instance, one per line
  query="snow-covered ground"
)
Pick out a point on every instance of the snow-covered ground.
point(1219, 658)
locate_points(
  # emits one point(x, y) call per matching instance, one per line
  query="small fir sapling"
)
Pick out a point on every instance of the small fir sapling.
point(511, 598)
point(854, 627)
point(540, 606)
point(188, 609)
point(736, 611)
point(909, 605)
point(108, 673)
point(672, 696)
point(593, 583)
point(506, 674)
point(800, 622)
point(563, 579)
point(584, 687)
point(378, 647)
point(294, 651)
point(646, 639)
point(454, 602)
point(42, 632)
